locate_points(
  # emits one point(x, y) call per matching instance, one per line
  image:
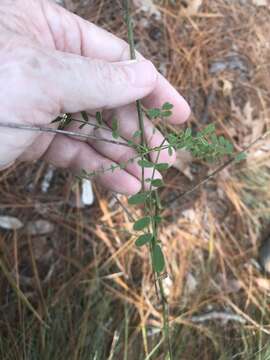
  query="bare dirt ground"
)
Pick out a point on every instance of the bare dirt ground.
point(75, 287)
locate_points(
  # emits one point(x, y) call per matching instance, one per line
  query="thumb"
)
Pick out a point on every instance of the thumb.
point(85, 84)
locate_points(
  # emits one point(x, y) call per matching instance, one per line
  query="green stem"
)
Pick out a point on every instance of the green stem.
point(133, 57)
point(102, 171)
point(152, 200)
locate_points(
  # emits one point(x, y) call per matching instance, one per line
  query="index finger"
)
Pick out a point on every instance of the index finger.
point(74, 34)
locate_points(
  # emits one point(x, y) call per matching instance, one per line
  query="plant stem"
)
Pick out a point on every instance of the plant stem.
point(133, 57)
point(165, 306)
point(58, 131)
point(153, 200)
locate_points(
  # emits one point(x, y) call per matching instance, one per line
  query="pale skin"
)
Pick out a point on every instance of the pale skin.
point(54, 62)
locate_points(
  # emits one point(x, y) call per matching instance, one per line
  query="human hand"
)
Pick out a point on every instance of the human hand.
point(53, 62)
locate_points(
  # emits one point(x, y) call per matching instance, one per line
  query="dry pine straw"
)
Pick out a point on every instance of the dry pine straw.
point(210, 239)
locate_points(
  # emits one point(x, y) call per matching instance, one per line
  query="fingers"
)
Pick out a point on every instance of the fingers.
point(69, 153)
point(117, 153)
point(128, 124)
point(73, 34)
point(83, 84)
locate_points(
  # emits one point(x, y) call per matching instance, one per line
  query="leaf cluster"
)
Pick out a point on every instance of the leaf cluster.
point(204, 144)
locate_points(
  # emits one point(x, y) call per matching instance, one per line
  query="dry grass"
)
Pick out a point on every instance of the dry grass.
point(91, 289)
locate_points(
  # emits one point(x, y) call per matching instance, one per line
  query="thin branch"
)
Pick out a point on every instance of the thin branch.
point(165, 308)
point(92, 124)
point(130, 216)
point(62, 132)
point(133, 57)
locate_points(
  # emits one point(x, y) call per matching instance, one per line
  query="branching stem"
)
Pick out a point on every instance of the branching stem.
point(153, 201)
point(58, 131)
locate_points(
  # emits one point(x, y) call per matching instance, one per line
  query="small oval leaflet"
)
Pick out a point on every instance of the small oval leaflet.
point(241, 156)
point(157, 183)
point(158, 259)
point(153, 113)
point(188, 132)
point(158, 219)
point(143, 239)
point(139, 198)
point(145, 163)
point(162, 166)
point(166, 113)
point(141, 224)
point(85, 118)
point(167, 106)
point(115, 128)
point(99, 117)
point(10, 223)
point(170, 150)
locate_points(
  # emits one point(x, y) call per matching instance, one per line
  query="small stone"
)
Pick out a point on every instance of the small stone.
point(10, 223)
point(46, 182)
point(87, 193)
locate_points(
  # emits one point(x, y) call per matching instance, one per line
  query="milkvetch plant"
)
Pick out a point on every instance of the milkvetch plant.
point(204, 144)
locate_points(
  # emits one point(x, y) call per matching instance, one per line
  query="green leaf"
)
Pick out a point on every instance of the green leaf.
point(222, 140)
point(158, 259)
point(142, 223)
point(209, 129)
point(241, 156)
point(115, 128)
point(188, 132)
point(214, 139)
point(113, 167)
point(146, 163)
point(204, 142)
point(229, 147)
point(143, 240)
point(167, 106)
point(162, 166)
point(153, 113)
point(157, 183)
point(170, 150)
point(167, 113)
point(158, 219)
point(85, 116)
point(99, 117)
point(136, 134)
point(139, 198)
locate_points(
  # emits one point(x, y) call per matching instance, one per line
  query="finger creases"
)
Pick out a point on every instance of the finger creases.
point(66, 152)
point(69, 30)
